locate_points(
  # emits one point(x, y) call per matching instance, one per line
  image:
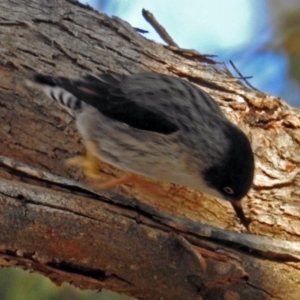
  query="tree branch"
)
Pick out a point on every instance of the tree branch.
point(124, 240)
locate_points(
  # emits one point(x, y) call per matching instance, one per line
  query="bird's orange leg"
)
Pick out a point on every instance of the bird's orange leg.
point(131, 178)
point(90, 165)
point(112, 183)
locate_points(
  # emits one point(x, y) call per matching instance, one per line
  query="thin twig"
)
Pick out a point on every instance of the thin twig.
point(193, 54)
point(161, 31)
point(139, 30)
point(243, 77)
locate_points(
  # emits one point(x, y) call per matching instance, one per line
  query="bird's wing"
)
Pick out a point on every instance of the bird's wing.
point(105, 93)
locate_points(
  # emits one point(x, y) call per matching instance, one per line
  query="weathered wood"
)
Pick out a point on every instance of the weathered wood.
point(128, 241)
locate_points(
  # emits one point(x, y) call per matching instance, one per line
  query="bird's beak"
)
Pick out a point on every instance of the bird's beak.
point(237, 206)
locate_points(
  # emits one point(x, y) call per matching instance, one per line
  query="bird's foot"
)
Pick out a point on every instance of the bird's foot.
point(130, 178)
point(88, 164)
point(91, 166)
point(112, 183)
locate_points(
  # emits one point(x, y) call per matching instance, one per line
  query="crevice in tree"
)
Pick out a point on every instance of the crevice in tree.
point(73, 268)
point(264, 291)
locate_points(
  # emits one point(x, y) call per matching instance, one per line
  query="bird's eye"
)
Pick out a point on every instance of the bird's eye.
point(228, 190)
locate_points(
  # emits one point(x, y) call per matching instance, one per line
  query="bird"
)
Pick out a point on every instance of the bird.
point(156, 126)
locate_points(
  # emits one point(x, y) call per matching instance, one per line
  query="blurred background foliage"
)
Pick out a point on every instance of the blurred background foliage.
point(16, 284)
point(261, 37)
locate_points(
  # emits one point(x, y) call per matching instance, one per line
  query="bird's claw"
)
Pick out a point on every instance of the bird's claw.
point(88, 164)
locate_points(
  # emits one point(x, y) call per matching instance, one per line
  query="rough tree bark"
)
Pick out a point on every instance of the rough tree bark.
point(52, 222)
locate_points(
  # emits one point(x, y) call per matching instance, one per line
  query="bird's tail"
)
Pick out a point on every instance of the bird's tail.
point(57, 89)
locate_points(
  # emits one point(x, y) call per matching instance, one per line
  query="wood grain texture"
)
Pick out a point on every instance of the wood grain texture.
point(126, 240)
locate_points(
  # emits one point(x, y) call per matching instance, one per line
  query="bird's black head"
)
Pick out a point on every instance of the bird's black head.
point(232, 177)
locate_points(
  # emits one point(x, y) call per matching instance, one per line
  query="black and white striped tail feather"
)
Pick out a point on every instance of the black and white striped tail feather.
point(53, 88)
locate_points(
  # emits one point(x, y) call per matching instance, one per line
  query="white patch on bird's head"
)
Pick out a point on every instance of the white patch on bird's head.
point(200, 185)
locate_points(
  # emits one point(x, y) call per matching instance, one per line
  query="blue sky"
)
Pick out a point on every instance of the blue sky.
point(193, 28)
point(232, 29)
